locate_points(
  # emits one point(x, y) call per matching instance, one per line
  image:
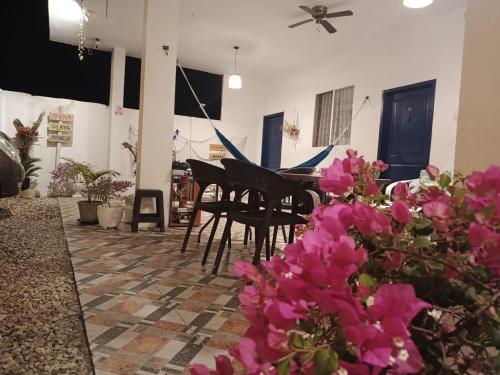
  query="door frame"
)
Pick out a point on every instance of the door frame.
point(430, 83)
point(281, 114)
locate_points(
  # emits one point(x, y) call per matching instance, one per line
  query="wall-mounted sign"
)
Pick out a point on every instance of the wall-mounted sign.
point(217, 147)
point(60, 129)
point(217, 156)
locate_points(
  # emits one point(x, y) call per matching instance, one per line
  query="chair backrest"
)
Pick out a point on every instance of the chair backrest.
point(299, 170)
point(207, 174)
point(244, 175)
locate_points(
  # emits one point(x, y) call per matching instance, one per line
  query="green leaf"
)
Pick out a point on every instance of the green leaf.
point(296, 341)
point(470, 293)
point(495, 336)
point(284, 366)
point(367, 281)
point(496, 364)
point(421, 241)
point(444, 181)
point(326, 361)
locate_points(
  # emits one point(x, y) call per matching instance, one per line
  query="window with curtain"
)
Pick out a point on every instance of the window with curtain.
point(342, 116)
point(322, 119)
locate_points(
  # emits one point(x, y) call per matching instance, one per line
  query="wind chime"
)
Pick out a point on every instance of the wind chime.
point(292, 129)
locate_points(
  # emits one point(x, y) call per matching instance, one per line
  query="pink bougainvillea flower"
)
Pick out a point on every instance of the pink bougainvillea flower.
point(401, 212)
point(433, 172)
point(397, 300)
point(223, 367)
point(380, 165)
point(246, 270)
point(487, 183)
point(246, 353)
point(369, 221)
point(335, 179)
point(438, 209)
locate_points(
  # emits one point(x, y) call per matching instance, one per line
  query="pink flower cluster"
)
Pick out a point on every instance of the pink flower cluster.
point(316, 309)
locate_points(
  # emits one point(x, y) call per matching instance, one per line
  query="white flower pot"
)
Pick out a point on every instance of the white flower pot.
point(77, 189)
point(110, 216)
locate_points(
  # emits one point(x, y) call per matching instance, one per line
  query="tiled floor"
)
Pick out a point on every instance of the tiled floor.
point(149, 309)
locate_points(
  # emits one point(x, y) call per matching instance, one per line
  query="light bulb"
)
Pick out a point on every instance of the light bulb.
point(415, 4)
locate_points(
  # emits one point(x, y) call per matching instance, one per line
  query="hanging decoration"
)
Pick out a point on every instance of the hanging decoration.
point(292, 129)
point(84, 18)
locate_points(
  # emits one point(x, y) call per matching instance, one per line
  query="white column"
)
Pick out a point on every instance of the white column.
point(118, 130)
point(156, 116)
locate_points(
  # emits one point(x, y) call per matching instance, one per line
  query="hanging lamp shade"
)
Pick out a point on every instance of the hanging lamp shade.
point(235, 81)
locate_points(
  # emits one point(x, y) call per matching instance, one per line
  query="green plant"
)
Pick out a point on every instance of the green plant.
point(30, 167)
point(89, 176)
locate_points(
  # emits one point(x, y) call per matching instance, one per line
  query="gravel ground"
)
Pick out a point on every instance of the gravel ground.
point(41, 327)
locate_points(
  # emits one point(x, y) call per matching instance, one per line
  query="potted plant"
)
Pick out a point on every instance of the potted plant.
point(109, 214)
point(24, 140)
point(64, 179)
point(89, 176)
point(402, 288)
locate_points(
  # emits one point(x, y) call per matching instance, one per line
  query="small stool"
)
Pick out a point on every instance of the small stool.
point(158, 217)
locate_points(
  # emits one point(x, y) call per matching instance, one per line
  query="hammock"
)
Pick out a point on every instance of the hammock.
point(233, 150)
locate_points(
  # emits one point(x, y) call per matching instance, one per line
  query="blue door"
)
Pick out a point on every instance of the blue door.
point(406, 130)
point(272, 136)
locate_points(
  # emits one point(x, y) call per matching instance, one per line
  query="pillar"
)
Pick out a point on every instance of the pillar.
point(118, 130)
point(156, 113)
point(478, 133)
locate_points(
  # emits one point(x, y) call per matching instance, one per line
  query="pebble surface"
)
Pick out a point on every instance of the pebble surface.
point(41, 326)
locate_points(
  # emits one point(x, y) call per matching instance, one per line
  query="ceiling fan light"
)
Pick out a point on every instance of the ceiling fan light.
point(235, 81)
point(415, 4)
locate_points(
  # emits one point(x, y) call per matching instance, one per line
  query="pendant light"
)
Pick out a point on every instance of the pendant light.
point(235, 79)
point(415, 4)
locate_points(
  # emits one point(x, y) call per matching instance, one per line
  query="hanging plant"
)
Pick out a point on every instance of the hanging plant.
point(292, 129)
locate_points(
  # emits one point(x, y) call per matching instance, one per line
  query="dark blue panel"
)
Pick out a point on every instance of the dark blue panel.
point(406, 130)
point(272, 136)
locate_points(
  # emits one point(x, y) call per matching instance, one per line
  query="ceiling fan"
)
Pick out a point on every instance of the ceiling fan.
point(320, 14)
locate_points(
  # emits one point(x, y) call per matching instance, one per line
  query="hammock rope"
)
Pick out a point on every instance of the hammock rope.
point(313, 162)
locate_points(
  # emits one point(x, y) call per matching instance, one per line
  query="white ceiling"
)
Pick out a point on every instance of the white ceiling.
point(209, 29)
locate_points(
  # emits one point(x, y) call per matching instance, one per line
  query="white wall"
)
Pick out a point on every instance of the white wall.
point(433, 50)
point(91, 126)
point(242, 112)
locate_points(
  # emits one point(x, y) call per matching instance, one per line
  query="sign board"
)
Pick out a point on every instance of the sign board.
point(217, 156)
point(61, 138)
point(60, 129)
point(217, 147)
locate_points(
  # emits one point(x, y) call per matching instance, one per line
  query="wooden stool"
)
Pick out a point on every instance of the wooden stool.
point(158, 217)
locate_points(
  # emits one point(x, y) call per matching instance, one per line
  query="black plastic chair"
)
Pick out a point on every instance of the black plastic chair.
point(271, 188)
point(205, 175)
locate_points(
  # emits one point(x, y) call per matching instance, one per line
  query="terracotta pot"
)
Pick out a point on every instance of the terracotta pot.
point(88, 212)
point(110, 216)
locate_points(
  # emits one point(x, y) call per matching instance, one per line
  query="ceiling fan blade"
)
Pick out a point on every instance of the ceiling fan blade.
point(328, 26)
point(339, 14)
point(300, 23)
point(308, 10)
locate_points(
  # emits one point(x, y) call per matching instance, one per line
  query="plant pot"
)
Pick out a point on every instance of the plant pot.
point(109, 216)
point(88, 212)
point(26, 184)
point(129, 211)
point(27, 194)
point(76, 189)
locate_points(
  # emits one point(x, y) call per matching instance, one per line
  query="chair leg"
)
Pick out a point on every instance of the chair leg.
point(291, 235)
point(160, 211)
point(211, 238)
point(198, 240)
point(136, 212)
point(275, 237)
point(229, 241)
point(283, 230)
point(260, 236)
point(188, 230)
point(247, 232)
point(222, 245)
point(268, 246)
